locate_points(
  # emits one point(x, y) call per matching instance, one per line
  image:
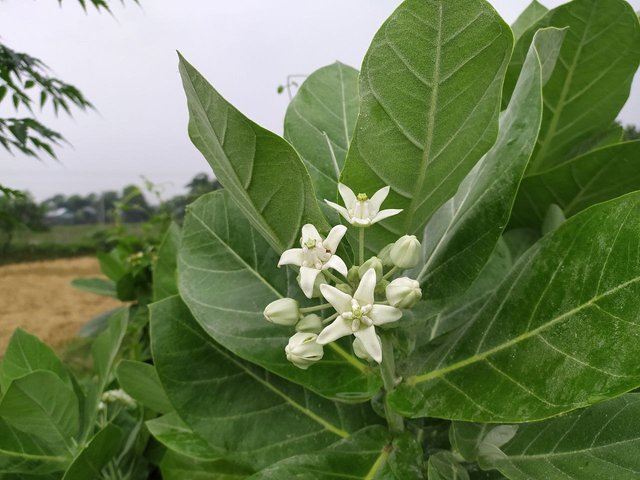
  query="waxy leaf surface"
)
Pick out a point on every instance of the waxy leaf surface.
point(260, 170)
point(534, 12)
point(430, 88)
point(173, 433)
point(248, 415)
point(560, 333)
point(228, 275)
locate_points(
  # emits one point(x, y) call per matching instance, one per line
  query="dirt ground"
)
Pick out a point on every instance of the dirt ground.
point(38, 297)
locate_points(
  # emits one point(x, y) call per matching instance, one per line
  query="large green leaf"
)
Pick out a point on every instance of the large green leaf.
point(591, 83)
point(598, 443)
point(246, 414)
point(173, 433)
point(22, 453)
point(228, 275)
point(98, 286)
point(558, 334)
point(429, 101)
point(534, 12)
point(102, 448)
point(462, 234)
point(25, 354)
point(260, 170)
point(320, 122)
point(140, 380)
point(165, 268)
point(178, 467)
point(42, 405)
point(574, 185)
point(367, 455)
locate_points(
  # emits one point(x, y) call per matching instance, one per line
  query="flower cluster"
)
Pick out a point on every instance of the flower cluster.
point(352, 295)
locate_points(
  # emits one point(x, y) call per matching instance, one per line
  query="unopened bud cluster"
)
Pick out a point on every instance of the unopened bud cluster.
point(359, 298)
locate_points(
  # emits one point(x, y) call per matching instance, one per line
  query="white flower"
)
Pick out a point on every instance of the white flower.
point(403, 292)
point(362, 211)
point(303, 351)
point(358, 315)
point(316, 254)
point(406, 252)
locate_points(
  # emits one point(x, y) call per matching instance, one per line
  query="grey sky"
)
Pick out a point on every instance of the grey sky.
point(127, 67)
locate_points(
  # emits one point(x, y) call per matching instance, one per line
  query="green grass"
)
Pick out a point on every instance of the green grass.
point(59, 234)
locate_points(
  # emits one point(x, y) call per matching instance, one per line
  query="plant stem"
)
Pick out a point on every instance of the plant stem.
point(317, 308)
point(333, 277)
point(390, 273)
point(388, 372)
point(330, 319)
point(361, 245)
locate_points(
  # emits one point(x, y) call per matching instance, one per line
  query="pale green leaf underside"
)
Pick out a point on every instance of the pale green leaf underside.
point(528, 17)
point(228, 275)
point(590, 84)
point(597, 443)
point(260, 170)
point(422, 123)
point(319, 124)
point(444, 466)
point(559, 333)
point(462, 234)
point(583, 181)
point(241, 398)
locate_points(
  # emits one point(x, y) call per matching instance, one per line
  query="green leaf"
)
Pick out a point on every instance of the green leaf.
point(261, 171)
point(558, 334)
point(444, 466)
point(22, 453)
point(165, 283)
point(574, 185)
point(42, 405)
point(423, 123)
point(178, 467)
point(320, 122)
point(112, 265)
point(591, 83)
point(455, 251)
point(228, 275)
point(106, 347)
point(368, 455)
point(99, 286)
point(600, 442)
point(141, 381)
point(244, 413)
point(102, 448)
point(26, 354)
point(176, 435)
point(534, 12)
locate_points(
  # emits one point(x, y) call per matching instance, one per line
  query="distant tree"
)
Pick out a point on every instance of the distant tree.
point(631, 132)
point(133, 206)
point(201, 184)
point(19, 212)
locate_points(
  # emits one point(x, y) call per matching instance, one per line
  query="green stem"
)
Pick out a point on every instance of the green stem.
point(361, 245)
point(390, 273)
point(333, 277)
point(388, 372)
point(317, 308)
point(330, 319)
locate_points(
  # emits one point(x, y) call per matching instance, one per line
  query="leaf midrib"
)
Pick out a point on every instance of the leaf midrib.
point(414, 380)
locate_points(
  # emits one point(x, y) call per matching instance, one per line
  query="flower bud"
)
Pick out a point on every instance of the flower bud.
point(376, 264)
point(283, 312)
point(353, 276)
point(118, 396)
point(303, 351)
point(359, 350)
point(403, 292)
point(406, 252)
point(312, 323)
point(385, 256)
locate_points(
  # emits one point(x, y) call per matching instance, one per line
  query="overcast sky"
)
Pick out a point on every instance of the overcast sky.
point(127, 66)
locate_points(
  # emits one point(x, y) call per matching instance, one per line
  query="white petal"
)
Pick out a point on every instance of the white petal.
point(334, 237)
point(364, 293)
point(347, 195)
point(340, 209)
point(337, 264)
point(385, 214)
point(381, 314)
point(370, 342)
point(291, 257)
point(309, 231)
point(307, 280)
point(337, 329)
point(377, 199)
point(339, 300)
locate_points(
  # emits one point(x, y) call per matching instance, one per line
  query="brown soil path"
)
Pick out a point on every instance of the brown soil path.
point(38, 297)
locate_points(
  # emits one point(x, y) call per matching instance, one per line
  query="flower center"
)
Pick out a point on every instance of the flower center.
point(362, 197)
point(310, 243)
point(358, 316)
